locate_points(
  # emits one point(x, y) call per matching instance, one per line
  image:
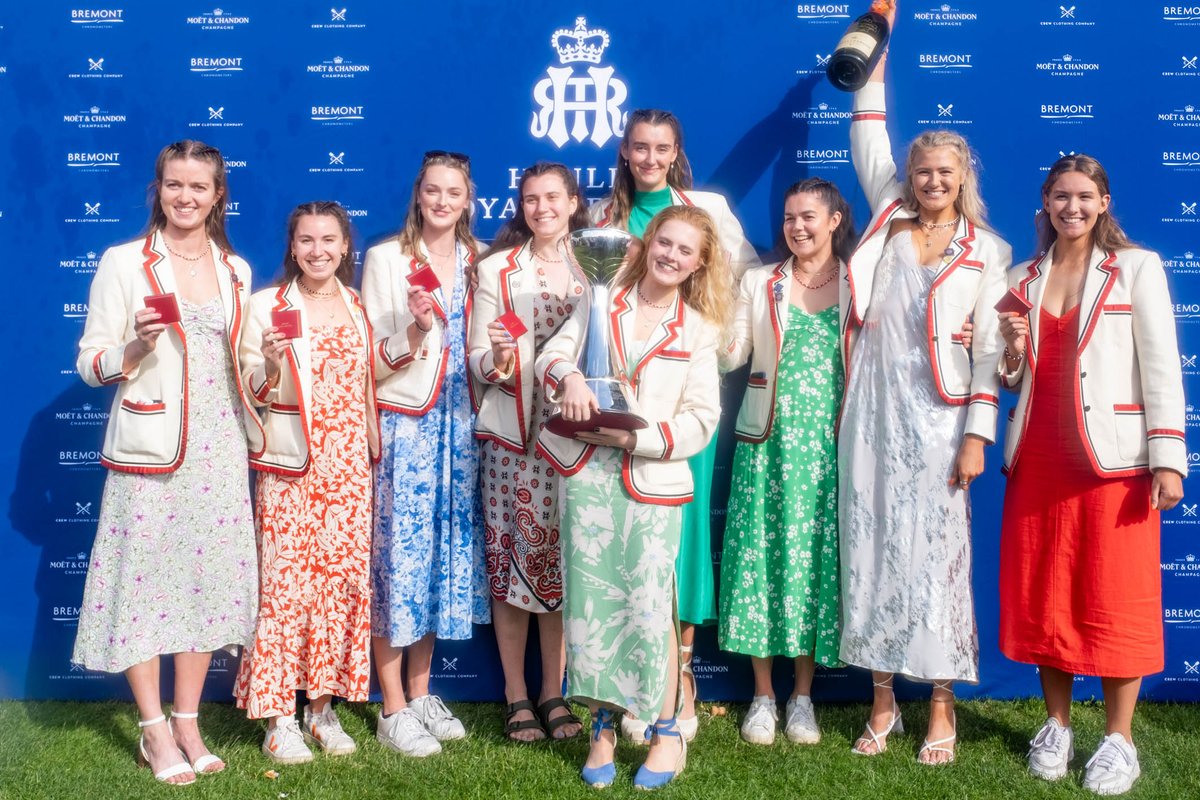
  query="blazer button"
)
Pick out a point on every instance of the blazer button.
point(934, 338)
point(1087, 408)
point(1083, 375)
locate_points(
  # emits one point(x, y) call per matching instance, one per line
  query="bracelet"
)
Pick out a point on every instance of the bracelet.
point(417, 325)
point(1011, 357)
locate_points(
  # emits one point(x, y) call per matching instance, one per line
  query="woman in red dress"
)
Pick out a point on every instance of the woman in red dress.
point(1095, 450)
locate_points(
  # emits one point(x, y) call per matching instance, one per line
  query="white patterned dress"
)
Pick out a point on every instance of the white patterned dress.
point(174, 568)
point(905, 534)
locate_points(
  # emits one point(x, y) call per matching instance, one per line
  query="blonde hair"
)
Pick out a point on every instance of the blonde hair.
point(969, 202)
point(708, 290)
point(410, 235)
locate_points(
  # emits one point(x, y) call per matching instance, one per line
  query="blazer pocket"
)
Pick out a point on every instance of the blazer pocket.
point(1129, 428)
point(143, 407)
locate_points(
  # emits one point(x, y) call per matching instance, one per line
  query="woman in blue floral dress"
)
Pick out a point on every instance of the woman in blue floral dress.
point(427, 563)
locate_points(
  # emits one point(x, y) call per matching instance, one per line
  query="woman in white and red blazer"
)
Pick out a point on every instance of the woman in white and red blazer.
point(622, 520)
point(919, 409)
point(653, 173)
point(1095, 450)
point(171, 570)
point(316, 383)
point(427, 565)
point(525, 281)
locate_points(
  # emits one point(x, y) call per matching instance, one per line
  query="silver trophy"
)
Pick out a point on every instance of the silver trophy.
point(598, 253)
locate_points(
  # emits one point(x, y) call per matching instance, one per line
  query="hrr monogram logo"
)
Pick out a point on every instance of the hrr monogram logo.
point(592, 100)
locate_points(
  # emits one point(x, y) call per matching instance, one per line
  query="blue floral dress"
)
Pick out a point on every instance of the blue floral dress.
point(427, 559)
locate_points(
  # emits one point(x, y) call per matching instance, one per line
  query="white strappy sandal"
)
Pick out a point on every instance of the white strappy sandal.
point(201, 765)
point(947, 744)
point(879, 739)
point(688, 727)
point(166, 773)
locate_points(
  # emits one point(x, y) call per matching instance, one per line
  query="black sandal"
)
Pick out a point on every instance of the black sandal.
point(511, 726)
point(551, 725)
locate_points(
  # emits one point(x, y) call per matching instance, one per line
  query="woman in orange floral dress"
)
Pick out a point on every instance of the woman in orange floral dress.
point(305, 356)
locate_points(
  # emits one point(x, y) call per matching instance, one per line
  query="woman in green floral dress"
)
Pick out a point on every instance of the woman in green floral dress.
point(623, 490)
point(779, 569)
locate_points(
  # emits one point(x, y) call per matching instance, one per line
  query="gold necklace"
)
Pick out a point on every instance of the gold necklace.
point(927, 228)
point(832, 273)
point(193, 259)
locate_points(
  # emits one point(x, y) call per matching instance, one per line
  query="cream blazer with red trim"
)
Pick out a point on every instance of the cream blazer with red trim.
point(969, 284)
point(147, 427)
point(759, 325)
point(283, 446)
point(1129, 387)
point(507, 282)
point(409, 382)
point(742, 255)
point(675, 387)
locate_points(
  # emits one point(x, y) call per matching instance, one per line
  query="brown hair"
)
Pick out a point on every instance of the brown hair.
point(708, 290)
point(319, 208)
point(214, 224)
point(679, 174)
point(1107, 233)
point(517, 231)
point(844, 237)
point(410, 235)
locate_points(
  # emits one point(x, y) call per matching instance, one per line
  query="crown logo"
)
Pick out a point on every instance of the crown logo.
point(91, 254)
point(822, 106)
point(1189, 255)
point(1189, 108)
point(579, 44)
point(80, 556)
point(95, 109)
point(945, 7)
point(1068, 57)
point(218, 12)
point(338, 59)
point(1190, 558)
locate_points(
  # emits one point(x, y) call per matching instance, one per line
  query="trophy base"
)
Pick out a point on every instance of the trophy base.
point(621, 420)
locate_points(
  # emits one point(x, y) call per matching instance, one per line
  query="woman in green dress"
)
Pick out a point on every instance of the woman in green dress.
point(621, 519)
point(653, 173)
point(779, 568)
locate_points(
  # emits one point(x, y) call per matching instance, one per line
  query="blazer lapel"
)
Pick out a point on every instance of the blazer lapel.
point(159, 274)
point(778, 289)
point(958, 252)
point(230, 290)
point(621, 319)
point(1034, 286)
point(439, 295)
point(1101, 275)
point(663, 335)
point(300, 353)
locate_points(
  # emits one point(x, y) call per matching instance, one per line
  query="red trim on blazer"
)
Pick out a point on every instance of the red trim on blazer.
point(1128, 408)
point(121, 376)
point(606, 220)
point(152, 259)
point(665, 430)
point(673, 327)
point(547, 379)
point(474, 390)
point(627, 479)
point(235, 335)
point(864, 116)
point(283, 304)
point(491, 437)
point(506, 302)
point(884, 218)
point(567, 470)
point(619, 307)
point(687, 201)
point(285, 408)
point(403, 361)
point(939, 279)
point(777, 328)
point(1164, 433)
point(1108, 265)
point(980, 397)
point(134, 406)
point(1119, 308)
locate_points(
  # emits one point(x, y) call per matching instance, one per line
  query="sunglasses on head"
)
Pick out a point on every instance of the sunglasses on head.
point(432, 154)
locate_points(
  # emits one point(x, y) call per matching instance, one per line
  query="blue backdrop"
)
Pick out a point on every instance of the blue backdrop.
point(311, 102)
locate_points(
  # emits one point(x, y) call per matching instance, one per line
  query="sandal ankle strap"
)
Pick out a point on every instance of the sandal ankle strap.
point(945, 686)
point(602, 720)
point(146, 723)
point(663, 727)
point(185, 714)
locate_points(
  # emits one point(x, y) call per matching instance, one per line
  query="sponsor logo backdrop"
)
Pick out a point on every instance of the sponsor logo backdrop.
point(308, 101)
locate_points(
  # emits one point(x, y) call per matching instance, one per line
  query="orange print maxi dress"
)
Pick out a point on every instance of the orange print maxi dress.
point(314, 626)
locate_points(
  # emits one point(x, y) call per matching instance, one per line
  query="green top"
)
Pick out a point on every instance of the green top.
point(645, 206)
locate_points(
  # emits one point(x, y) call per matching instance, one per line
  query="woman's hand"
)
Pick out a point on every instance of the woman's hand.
point(274, 344)
point(1166, 490)
point(969, 464)
point(420, 305)
point(577, 403)
point(1014, 328)
point(609, 437)
point(504, 347)
point(967, 334)
point(146, 330)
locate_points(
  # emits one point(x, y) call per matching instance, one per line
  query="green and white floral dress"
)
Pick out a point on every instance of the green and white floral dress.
point(779, 568)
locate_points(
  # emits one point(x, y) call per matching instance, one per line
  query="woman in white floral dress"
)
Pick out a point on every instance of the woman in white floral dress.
point(173, 569)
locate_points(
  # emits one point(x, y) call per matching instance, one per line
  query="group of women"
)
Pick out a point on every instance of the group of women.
point(381, 525)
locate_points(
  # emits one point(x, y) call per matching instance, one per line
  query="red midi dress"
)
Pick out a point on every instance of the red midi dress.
point(1080, 587)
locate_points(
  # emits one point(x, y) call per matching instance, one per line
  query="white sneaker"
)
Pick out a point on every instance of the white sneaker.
point(1051, 751)
point(759, 725)
point(404, 733)
point(325, 730)
point(284, 743)
point(436, 718)
point(1113, 768)
point(801, 726)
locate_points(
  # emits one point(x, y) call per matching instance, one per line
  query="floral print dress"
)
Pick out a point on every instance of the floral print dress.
point(173, 566)
point(314, 548)
point(427, 564)
point(779, 568)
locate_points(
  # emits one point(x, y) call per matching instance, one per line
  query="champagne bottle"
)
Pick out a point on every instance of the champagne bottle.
point(858, 51)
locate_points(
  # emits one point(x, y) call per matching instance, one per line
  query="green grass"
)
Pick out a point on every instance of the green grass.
point(84, 751)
